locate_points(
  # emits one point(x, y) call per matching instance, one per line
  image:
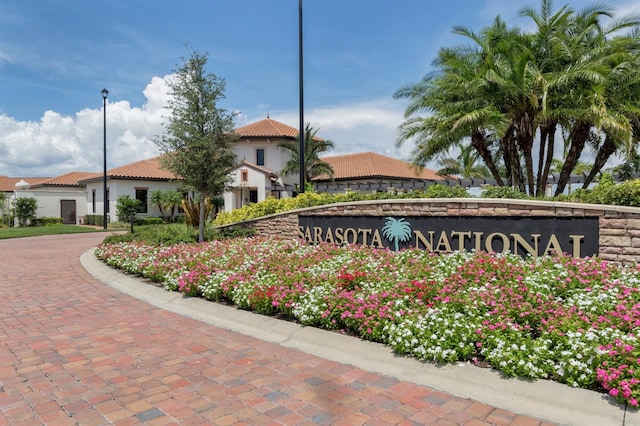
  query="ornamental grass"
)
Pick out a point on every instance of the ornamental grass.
point(572, 320)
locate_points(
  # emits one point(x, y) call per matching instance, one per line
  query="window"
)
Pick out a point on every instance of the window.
point(93, 201)
point(244, 176)
point(260, 156)
point(108, 200)
point(141, 195)
point(253, 196)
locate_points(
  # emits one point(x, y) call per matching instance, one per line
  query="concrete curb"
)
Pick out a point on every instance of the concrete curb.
point(550, 401)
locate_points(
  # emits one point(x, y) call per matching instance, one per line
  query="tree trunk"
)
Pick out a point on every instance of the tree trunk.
point(511, 158)
point(547, 138)
point(479, 143)
point(201, 217)
point(525, 137)
point(507, 162)
point(606, 150)
point(579, 136)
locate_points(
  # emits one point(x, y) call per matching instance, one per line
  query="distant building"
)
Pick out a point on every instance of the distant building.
point(257, 177)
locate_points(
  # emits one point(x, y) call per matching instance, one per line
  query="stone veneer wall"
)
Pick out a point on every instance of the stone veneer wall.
point(619, 226)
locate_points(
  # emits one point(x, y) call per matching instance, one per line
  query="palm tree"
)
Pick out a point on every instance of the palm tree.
point(598, 66)
point(396, 230)
point(313, 147)
point(626, 170)
point(167, 201)
point(465, 165)
point(509, 89)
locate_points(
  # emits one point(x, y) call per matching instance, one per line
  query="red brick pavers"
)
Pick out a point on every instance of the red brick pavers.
point(76, 352)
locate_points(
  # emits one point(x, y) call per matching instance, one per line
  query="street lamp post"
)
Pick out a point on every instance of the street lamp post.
point(105, 93)
point(301, 134)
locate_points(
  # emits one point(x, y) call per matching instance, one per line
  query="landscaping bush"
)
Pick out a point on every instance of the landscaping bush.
point(149, 221)
point(47, 221)
point(177, 233)
point(310, 199)
point(126, 208)
point(490, 191)
point(26, 208)
point(94, 219)
point(444, 191)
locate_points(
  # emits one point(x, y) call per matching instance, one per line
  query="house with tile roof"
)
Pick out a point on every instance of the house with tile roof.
point(8, 190)
point(59, 196)
point(136, 180)
point(372, 172)
point(257, 177)
point(260, 159)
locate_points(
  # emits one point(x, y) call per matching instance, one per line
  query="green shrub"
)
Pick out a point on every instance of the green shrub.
point(490, 191)
point(444, 191)
point(149, 221)
point(47, 221)
point(311, 199)
point(94, 219)
point(119, 238)
point(127, 207)
point(231, 232)
point(626, 193)
point(26, 208)
point(176, 233)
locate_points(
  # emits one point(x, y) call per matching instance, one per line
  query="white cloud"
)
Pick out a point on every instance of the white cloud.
point(59, 144)
point(357, 127)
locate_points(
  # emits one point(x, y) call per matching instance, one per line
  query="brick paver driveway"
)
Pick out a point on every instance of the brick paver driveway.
point(76, 352)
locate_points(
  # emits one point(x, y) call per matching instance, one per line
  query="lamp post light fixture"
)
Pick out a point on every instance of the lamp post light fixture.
point(105, 93)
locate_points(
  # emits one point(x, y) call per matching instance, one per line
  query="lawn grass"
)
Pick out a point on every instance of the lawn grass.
point(34, 231)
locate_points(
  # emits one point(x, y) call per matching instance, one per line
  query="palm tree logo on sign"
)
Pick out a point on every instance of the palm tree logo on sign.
point(396, 230)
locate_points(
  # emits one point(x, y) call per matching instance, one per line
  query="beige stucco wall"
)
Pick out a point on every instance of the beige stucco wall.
point(619, 238)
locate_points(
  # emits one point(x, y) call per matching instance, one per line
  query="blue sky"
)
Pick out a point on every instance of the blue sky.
point(57, 55)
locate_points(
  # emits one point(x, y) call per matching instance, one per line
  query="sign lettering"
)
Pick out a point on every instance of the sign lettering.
point(525, 236)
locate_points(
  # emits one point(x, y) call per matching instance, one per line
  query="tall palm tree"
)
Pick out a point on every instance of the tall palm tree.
point(313, 147)
point(512, 90)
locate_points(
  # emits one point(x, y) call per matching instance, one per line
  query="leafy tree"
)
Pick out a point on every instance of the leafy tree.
point(26, 209)
point(510, 91)
point(313, 147)
point(126, 209)
point(199, 136)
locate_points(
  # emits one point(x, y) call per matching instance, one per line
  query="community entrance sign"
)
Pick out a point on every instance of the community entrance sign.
point(534, 236)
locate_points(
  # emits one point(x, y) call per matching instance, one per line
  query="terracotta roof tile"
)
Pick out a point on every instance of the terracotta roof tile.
point(268, 128)
point(8, 184)
point(261, 169)
point(145, 169)
point(67, 179)
point(371, 165)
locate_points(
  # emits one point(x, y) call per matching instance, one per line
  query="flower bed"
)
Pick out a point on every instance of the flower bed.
point(572, 320)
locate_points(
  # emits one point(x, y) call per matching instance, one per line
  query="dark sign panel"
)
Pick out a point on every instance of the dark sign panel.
point(535, 236)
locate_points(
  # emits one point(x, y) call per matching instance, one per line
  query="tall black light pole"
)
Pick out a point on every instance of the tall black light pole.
point(105, 93)
point(301, 134)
